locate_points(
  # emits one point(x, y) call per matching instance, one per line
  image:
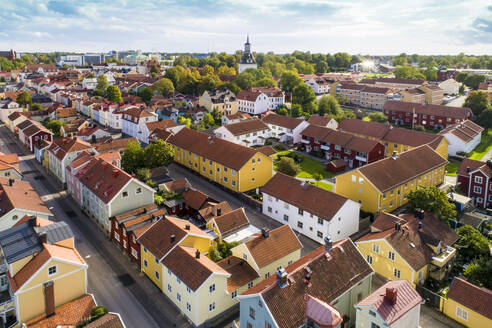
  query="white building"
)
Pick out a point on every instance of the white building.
point(70, 60)
point(319, 85)
point(462, 137)
point(134, 120)
point(450, 87)
point(89, 83)
point(286, 129)
point(314, 212)
point(394, 305)
point(247, 133)
point(256, 101)
point(8, 107)
point(324, 121)
point(247, 60)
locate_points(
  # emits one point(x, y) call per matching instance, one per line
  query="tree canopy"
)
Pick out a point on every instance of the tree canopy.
point(113, 94)
point(288, 166)
point(55, 126)
point(471, 243)
point(378, 117)
point(479, 272)
point(432, 199)
point(164, 87)
point(24, 99)
point(477, 101)
point(330, 106)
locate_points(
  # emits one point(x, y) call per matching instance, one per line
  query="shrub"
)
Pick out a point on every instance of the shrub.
point(288, 166)
point(419, 128)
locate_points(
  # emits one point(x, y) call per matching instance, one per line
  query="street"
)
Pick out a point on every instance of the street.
point(457, 102)
point(113, 278)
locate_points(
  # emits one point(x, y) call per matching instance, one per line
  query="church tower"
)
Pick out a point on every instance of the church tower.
point(247, 60)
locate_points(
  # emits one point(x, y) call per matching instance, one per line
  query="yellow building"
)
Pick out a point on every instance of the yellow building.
point(409, 247)
point(384, 185)
point(468, 304)
point(231, 165)
point(434, 95)
point(413, 95)
point(395, 139)
point(229, 223)
point(224, 101)
point(42, 267)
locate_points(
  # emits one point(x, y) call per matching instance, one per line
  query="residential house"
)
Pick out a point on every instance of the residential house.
point(333, 144)
point(64, 114)
point(14, 119)
point(225, 101)
point(320, 85)
point(409, 247)
point(9, 166)
point(414, 95)
point(134, 122)
point(394, 139)
point(450, 86)
point(62, 152)
point(384, 185)
point(30, 132)
point(197, 114)
point(247, 133)
point(462, 137)
point(110, 145)
point(7, 108)
point(468, 304)
point(73, 127)
point(232, 226)
point(18, 199)
point(41, 270)
point(474, 180)
point(231, 165)
point(256, 101)
point(149, 128)
point(40, 152)
point(427, 115)
point(108, 191)
point(234, 118)
point(324, 121)
point(286, 129)
point(434, 95)
point(314, 212)
point(367, 96)
point(395, 304)
point(397, 84)
point(92, 133)
point(176, 204)
point(336, 276)
point(127, 227)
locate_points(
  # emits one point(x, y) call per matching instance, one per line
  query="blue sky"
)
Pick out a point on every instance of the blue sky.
point(356, 26)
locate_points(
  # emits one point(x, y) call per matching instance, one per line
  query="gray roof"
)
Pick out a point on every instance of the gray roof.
point(55, 232)
point(471, 219)
point(19, 242)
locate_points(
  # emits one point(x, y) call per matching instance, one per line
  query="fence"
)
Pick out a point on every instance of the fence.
point(431, 298)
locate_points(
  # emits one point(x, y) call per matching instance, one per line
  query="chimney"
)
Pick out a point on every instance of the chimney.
point(391, 295)
point(468, 170)
point(420, 225)
point(11, 182)
point(265, 232)
point(397, 226)
point(197, 254)
point(307, 276)
point(489, 163)
point(187, 227)
point(173, 238)
point(219, 211)
point(328, 244)
point(145, 210)
point(32, 221)
point(43, 238)
point(394, 155)
point(281, 277)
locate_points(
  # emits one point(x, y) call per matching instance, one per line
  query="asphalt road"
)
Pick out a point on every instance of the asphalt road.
point(113, 278)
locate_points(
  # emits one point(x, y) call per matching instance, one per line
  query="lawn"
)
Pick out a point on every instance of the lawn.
point(323, 185)
point(482, 148)
point(452, 167)
point(308, 165)
point(366, 119)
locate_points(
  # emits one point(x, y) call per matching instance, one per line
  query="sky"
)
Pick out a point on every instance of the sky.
point(382, 27)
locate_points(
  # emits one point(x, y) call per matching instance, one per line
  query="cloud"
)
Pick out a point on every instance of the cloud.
point(62, 7)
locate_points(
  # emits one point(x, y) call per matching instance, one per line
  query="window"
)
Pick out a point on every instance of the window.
point(188, 306)
point(156, 260)
point(169, 288)
point(178, 297)
point(125, 194)
point(372, 313)
point(354, 178)
point(421, 275)
point(134, 253)
point(286, 206)
point(299, 224)
point(477, 189)
point(384, 196)
point(478, 179)
point(461, 313)
point(268, 325)
point(250, 284)
point(369, 259)
point(286, 218)
point(211, 306)
point(245, 257)
point(225, 179)
point(253, 161)
point(52, 270)
point(373, 325)
point(138, 191)
point(178, 280)
point(375, 248)
point(253, 179)
point(252, 313)
point(267, 275)
point(157, 275)
point(320, 234)
point(211, 289)
point(361, 180)
point(301, 212)
point(233, 183)
point(145, 263)
point(391, 255)
point(396, 273)
point(234, 294)
point(269, 209)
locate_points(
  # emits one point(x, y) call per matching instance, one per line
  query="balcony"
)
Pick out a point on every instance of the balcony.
point(325, 147)
point(444, 257)
point(361, 158)
point(305, 141)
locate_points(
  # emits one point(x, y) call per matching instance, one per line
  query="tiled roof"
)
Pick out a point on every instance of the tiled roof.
point(177, 185)
point(246, 126)
point(427, 109)
point(65, 112)
point(211, 210)
point(473, 165)
point(415, 91)
point(465, 131)
point(389, 172)
point(231, 222)
point(267, 150)
point(385, 221)
point(20, 195)
point(61, 147)
point(135, 213)
point(224, 152)
point(241, 272)
point(86, 132)
point(114, 144)
point(281, 242)
point(406, 299)
point(412, 138)
point(282, 120)
point(69, 314)
point(319, 120)
point(160, 125)
point(109, 320)
point(371, 129)
point(193, 272)
point(195, 198)
point(320, 202)
point(400, 80)
point(333, 273)
point(473, 297)
point(33, 129)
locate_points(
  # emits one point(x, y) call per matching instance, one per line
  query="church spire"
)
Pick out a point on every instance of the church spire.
point(247, 38)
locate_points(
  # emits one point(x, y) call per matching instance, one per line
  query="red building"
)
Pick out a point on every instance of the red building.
point(430, 116)
point(474, 180)
point(356, 151)
point(35, 133)
point(126, 228)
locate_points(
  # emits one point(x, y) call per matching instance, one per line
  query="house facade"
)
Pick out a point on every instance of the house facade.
point(462, 137)
point(247, 133)
point(286, 129)
point(474, 180)
point(450, 86)
point(256, 101)
point(225, 101)
point(134, 122)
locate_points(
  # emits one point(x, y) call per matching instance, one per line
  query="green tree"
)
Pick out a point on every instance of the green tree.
point(208, 120)
point(36, 106)
point(477, 101)
point(461, 77)
point(217, 115)
point(24, 99)
point(432, 199)
point(471, 243)
point(55, 126)
point(473, 81)
point(266, 82)
point(317, 177)
point(408, 72)
point(97, 312)
point(143, 174)
point(164, 87)
point(430, 74)
point(485, 119)
point(155, 69)
point(113, 94)
point(133, 157)
point(461, 89)
point(146, 94)
point(378, 117)
point(322, 67)
point(341, 99)
point(158, 153)
point(289, 80)
point(245, 80)
point(184, 121)
point(282, 111)
point(479, 272)
point(287, 166)
point(209, 82)
point(329, 105)
point(102, 84)
point(304, 96)
point(342, 60)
